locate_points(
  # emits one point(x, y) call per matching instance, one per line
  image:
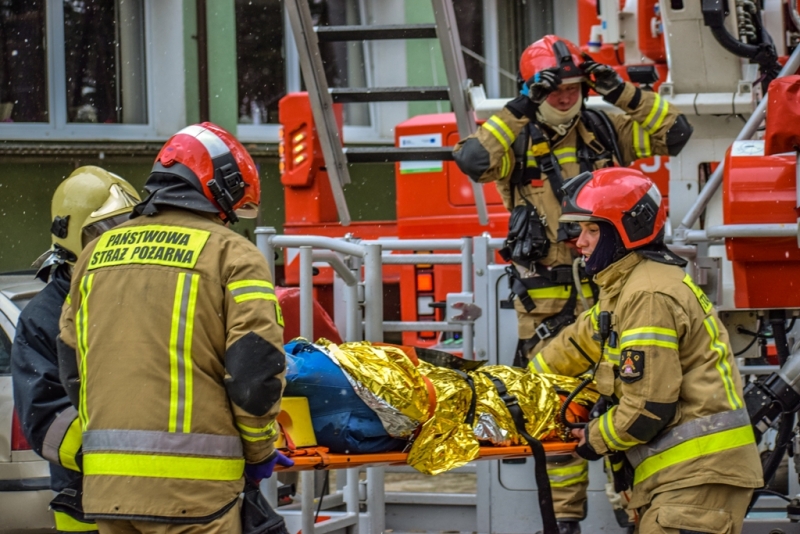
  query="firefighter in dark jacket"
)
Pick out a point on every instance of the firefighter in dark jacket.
point(530, 148)
point(84, 205)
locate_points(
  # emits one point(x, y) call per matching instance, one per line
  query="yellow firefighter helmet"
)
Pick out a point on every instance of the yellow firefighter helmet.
point(89, 202)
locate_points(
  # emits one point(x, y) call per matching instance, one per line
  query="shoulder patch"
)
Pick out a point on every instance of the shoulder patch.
point(631, 365)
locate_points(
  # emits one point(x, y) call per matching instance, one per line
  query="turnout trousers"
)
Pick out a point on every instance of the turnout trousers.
point(713, 508)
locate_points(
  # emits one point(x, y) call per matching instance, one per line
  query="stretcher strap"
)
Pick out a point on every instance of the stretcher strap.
point(546, 508)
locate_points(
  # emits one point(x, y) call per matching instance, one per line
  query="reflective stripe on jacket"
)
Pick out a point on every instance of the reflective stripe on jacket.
point(176, 332)
point(488, 155)
point(680, 415)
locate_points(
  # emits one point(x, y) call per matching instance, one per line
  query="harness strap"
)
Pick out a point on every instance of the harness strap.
point(546, 508)
point(553, 324)
point(473, 403)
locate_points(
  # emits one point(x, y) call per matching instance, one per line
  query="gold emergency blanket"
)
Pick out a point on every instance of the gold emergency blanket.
point(398, 387)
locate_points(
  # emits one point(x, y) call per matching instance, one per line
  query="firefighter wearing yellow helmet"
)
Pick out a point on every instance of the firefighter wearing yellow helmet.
point(90, 201)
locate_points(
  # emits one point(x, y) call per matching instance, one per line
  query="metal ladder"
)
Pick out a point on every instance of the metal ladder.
point(322, 97)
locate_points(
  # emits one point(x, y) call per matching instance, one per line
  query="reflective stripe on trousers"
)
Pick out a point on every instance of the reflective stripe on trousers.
point(694, 439)
point(561, 477)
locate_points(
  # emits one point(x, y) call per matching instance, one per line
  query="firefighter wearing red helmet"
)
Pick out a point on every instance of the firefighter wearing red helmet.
point(171, 348)
point(677, 428)
point(537, 142)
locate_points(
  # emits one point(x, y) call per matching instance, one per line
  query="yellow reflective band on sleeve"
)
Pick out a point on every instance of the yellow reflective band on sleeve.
point(82, 331)
point(505, 164)
point(562, 477)
point(609, 433)
point(158, 466)
point(497, 121)
point(657, 114)
point(694, 448)
point(244, 290)
point(249, 433)
point(538, 365)
point(558, 292)
point(498, 134)
point(67, 523)
point(171, 246)
point(641, 141)
point(704, 301)
point(70, 445)
point(651, 336)
point(722, 364)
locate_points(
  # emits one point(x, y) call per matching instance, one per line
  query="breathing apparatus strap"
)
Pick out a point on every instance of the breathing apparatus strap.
point(549, 524)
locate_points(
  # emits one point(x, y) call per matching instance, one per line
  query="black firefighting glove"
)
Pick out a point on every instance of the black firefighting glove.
point(604, 80)
point(542, 84)
point(586, 451)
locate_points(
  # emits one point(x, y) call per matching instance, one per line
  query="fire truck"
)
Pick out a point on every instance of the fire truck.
point(734, 207)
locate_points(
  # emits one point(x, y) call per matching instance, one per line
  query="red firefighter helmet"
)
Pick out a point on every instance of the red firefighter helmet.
point(552, 52)
point(622, 196)
point(215, 162)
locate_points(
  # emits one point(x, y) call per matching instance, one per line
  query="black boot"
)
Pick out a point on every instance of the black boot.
point(567, 527)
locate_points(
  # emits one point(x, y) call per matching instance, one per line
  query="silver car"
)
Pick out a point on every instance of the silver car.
point(24, 475)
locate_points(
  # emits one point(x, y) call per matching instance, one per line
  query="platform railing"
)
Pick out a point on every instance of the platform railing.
point(358, 265)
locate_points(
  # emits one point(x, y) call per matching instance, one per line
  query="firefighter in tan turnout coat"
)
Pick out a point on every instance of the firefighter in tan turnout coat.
point(540, 140)
point(677, 426)
point(171, 341)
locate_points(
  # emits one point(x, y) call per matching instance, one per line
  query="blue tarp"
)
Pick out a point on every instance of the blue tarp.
point(342, 421)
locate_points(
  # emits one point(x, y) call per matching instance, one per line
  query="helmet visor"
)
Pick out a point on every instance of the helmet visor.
point(570, 210)
point(118, 200)
point(247, 211)
point(94, 230)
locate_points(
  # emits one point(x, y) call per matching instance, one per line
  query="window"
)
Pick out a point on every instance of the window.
point(105, 63)
point(261, 55)
point(23, 65)
point(77, 69)
point(268, 68)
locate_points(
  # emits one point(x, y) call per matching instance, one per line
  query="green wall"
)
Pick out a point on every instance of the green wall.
point(26, 187)
point(424, 63)
point(222, 83)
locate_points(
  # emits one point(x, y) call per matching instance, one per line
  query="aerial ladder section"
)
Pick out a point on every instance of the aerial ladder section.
point(323, 97)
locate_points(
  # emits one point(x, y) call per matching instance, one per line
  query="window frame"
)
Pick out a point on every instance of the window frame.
point(58, 128)
point(269, 132)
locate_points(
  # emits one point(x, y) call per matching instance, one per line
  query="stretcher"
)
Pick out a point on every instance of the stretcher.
point(318, 458)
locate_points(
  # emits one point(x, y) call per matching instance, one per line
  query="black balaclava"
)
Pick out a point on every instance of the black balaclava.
point(609, 249)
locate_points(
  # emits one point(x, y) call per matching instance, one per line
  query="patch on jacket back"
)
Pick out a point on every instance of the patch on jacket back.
point(173, 246)
point(631, 365)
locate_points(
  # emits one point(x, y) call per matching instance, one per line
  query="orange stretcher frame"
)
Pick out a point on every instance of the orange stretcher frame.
point(318, 458)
